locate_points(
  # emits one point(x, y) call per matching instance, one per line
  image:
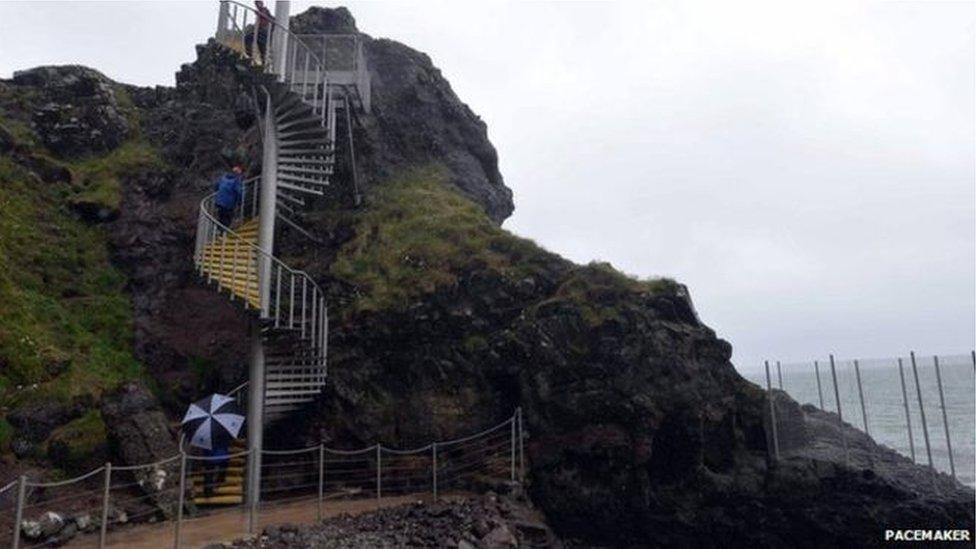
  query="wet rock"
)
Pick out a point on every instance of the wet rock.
point(82, 114)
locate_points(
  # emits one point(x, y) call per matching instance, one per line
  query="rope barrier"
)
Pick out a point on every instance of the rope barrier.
point(65, 482)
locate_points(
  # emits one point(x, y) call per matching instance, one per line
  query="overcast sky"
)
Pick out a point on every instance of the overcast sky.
point(807, 169)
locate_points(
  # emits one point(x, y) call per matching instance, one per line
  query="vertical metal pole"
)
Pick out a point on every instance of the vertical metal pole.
point(973, 355)
point(908, 416)
point(321, 479)
point(268, 200)
point(280, 37)
point(921, 409)
point(860, 395)
point(379, 471)
point(816, 368)
point(179, 508)
point(19, 513)
point(253, 492)
point(105, 497)
point(352, 154)
point(512, 451)
point(521, 449)
point(772, 412)
point(840, 414)
point(434, 461)
point(779, 375)
point(255, 421)
point(222, 20)
point(945, 419)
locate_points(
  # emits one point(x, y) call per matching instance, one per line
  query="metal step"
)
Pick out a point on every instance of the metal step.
point(307, 190)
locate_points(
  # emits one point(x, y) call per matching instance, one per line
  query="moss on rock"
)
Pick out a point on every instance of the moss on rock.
point(79, 445)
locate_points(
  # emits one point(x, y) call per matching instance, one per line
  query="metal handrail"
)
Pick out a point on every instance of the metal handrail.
point(209, 229)
point(274, 22)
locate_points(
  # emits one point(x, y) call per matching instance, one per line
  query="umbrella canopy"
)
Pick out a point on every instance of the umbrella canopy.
point(213, 422)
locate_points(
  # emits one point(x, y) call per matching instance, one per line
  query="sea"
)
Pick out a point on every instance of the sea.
point(884, 404)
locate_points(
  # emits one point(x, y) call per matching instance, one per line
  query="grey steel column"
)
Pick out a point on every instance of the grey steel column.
point(921, 410)
point(379, 471)
point(434, 452)
point(222, 16)
point(105, 495)
point(860, 395)
point(840, 415)
point(772, 412)
point(321, 479)
point(945, 420)
point(279, 40)
point(179, 508)
point(779, 375)
point(19, 513)
point(267, 206)
point(908, 416)
point(255, 417)
point(816, 369)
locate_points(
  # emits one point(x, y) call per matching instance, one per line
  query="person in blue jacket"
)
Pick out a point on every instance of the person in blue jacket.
point(230, 191)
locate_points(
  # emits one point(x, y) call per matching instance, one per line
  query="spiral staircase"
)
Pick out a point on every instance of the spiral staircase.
point(297, 113)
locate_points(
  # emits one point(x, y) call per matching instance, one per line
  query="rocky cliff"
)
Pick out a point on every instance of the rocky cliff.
point(641, 432)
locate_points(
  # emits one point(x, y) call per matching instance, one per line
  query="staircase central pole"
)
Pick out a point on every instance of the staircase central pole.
point(266, 217)
point(279, 40)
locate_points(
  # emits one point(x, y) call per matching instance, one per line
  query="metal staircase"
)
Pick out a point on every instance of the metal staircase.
point(298, 124)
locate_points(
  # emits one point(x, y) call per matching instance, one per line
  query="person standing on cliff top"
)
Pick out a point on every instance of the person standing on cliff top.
point(230, 191)
point(263, 27)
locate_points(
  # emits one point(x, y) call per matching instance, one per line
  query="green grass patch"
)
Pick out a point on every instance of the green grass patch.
point(65, 323)
point(74, 445)
point(417, 234)
point(97, 180)
point(599, 291)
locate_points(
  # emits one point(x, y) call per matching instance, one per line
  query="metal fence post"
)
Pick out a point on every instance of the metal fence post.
point(321, 479)
point(908, 416)
point(779, 375)
point(19, 513)
point(179, 508)
point(860, 395)
point(921, 410)
point(521, 438)
point(434, 461)
point(840, 415)
point(816, 369)
point(945, 420)
point(379, 471)
point(105, 497)
point(772, 412)
point(973, 355)
point(512, 433)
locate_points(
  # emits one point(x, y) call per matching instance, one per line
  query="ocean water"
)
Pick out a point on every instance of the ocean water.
point(885, 408)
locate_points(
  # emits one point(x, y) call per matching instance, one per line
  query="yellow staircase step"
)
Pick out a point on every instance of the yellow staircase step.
point(219, 500)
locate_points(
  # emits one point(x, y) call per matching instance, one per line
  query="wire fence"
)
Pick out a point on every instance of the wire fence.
point(922, 407)
point(183, 487)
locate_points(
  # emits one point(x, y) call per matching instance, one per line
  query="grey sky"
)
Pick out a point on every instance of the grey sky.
point(806, 168)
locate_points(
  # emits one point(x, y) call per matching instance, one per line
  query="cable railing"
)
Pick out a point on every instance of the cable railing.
point(98, 503)
point(291, 300)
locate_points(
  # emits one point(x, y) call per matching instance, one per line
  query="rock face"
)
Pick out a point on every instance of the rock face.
point(485, 522)
point(79, 111)
point(417, 118)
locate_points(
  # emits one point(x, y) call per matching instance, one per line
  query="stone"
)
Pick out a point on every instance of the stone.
point(500, 537)
point(50, 524)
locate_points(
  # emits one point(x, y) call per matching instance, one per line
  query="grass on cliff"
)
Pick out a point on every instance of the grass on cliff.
point(417, 234)
point(96, 180)
point(65, 324)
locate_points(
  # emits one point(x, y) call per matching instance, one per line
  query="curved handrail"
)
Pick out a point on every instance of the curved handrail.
point(273, 21)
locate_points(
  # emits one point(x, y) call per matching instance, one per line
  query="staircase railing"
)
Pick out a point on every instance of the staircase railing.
point(295, 302)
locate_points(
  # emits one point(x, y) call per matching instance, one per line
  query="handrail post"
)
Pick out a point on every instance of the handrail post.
point(816, 369)
point(779, 374)
point(908, 416)
point(434, 463)
point(379, 471)
point(19, 513)
point(222, 15)
point(840, 415)
point(945, 419)
point(772, 412)
point(521, 438)
point(860, 395)
point(105, 497)
point(179, 508)
point(321, 480)
point(921, 410)
point(512, 433)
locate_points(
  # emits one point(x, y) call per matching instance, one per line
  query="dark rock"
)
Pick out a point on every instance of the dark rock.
point(81, 114)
